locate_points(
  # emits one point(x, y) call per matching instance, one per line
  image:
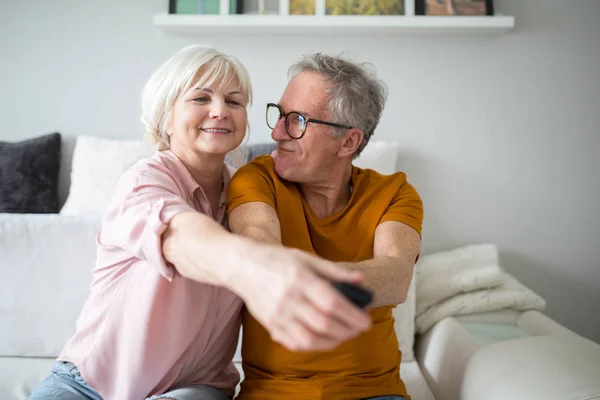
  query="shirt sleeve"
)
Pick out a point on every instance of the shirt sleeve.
point(147, 198)
point(406, 207)
point(252, 182)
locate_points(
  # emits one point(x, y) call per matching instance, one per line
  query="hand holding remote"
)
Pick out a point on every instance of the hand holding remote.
point(359, 296)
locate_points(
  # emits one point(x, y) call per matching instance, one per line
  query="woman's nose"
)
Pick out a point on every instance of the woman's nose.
point(218, 110)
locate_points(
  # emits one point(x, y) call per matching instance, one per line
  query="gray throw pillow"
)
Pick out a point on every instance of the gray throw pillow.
point(29, 175)
point(260, 149)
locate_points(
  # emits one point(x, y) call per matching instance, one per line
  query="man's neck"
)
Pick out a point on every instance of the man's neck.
point(329, 196)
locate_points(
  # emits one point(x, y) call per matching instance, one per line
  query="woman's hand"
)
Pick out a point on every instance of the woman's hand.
point(289, 292)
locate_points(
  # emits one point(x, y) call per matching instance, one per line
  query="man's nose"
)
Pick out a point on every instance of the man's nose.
point(279, 133)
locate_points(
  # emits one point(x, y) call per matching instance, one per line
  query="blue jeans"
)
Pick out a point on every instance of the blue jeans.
point(65, 383)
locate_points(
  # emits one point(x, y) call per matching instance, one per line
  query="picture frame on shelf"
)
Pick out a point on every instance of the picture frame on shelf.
point(260, 7)
point(205, 7)
point(302, 7)
point(364, 7)
point(454, 7)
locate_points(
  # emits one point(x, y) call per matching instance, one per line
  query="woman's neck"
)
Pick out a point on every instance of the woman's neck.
point(206, 169)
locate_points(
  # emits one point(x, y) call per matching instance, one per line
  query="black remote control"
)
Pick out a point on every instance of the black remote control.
point(359, 296)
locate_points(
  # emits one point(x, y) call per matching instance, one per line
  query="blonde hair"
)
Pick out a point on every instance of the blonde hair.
point(191, 66)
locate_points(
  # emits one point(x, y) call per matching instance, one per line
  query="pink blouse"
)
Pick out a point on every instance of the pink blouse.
point(145, 328)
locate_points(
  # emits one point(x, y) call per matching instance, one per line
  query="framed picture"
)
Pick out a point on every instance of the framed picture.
point(203, 7)
point(454, 7)
point(364, 7)
point(302, 7)
point(260, 7)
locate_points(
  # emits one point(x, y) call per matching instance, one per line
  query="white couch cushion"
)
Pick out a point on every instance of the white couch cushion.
point(98, 163)
point(404, 323)
point(19, 376)
point(379, 156)
point(46, 266)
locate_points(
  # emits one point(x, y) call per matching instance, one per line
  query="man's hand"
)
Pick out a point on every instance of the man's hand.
point(290, 293)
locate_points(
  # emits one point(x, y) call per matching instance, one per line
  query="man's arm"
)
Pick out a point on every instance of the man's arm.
point(256, 220)
point(313, 315)
point(388, 274)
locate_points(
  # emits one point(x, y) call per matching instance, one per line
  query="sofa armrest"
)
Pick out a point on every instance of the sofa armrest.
point(443, 354)
point(508, 354)
point(43, 255)
point(539, 324)
point(565, 367)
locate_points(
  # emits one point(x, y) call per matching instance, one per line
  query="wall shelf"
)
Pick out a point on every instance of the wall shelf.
point(338, 25)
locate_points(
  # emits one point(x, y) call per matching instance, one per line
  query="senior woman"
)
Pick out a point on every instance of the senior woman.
point(163, 314)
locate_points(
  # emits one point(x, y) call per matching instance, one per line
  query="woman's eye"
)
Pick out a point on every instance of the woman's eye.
point(233, 102)
point(202, 99)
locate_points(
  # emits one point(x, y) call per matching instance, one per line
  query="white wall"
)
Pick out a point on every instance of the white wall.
point(501, 134)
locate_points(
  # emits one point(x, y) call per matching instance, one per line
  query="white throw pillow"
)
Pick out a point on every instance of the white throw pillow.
point(379, 156)
point(511, 294)
point(447, 273)
point(404, 323)
point(98, 163)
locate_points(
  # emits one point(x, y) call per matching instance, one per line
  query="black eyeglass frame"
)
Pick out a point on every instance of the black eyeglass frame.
point(314, 121)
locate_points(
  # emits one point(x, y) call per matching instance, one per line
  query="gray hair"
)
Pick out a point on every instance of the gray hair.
point(192, 65)
point(356, 96)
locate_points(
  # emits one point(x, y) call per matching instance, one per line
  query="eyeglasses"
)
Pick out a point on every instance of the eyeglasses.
point(295, 123)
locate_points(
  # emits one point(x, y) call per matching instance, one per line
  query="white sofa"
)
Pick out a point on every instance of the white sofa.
point(45, 263)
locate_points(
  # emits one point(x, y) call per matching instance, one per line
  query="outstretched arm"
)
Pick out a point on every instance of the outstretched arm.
point(389, 273)
point(283, 288)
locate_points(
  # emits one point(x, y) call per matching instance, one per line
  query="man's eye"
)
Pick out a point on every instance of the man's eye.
point(301, 121)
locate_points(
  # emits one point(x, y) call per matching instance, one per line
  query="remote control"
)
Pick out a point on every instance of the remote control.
point(359, 296)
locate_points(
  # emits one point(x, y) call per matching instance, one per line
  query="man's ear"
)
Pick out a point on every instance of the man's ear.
point(351, 142)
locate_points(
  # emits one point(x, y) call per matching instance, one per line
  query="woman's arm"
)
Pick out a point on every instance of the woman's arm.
point(201, 249)
point(283, 288)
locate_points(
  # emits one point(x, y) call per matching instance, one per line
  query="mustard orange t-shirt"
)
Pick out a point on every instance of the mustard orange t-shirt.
point(363, 367)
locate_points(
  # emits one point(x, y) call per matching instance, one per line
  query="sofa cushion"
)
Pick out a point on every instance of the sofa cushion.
point(379, 156)
point(29, 175)
point(46, 266)
point(98, 163)
point(404, 323)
